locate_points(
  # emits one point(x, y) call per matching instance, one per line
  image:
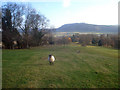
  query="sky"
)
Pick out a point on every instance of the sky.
point(60, 12)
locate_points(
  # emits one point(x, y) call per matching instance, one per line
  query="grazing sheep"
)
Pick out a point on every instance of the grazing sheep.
point(51, 59)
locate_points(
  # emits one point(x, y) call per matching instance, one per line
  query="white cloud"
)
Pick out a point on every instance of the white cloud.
point(66, 3)
point(102, 14)
point(106, 14)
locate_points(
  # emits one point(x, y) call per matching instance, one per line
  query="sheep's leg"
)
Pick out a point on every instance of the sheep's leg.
point(53, 63)
point(50, 63)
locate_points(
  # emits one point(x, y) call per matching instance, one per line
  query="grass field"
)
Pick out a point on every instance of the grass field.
point(75, 67)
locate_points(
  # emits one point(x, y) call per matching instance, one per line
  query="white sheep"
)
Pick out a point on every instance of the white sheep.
point(51, 59)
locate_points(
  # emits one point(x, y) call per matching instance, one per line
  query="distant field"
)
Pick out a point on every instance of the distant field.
point(75, 67)
point(72, 33)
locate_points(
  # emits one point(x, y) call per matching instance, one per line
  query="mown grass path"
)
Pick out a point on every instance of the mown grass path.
point(75, 67)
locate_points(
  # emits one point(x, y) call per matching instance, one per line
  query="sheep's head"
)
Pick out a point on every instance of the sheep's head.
point(50, 56)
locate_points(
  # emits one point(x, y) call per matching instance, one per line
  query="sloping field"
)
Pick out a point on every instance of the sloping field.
point(75, 67)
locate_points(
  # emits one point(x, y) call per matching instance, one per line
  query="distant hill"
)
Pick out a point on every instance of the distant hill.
point(84, 27)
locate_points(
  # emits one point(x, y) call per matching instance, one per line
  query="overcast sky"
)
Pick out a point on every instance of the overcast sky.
point(59, 12)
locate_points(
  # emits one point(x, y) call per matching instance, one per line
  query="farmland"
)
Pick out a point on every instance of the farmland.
point(75, 67)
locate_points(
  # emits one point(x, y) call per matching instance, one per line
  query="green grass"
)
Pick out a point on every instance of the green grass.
point(75, 67)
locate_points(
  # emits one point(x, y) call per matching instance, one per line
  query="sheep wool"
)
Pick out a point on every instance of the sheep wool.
point(51, 58)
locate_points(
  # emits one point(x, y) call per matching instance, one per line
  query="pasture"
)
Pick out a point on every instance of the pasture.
point(75, 67)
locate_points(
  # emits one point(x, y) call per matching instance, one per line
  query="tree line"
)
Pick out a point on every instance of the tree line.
point(22, 26)
point(106, 40)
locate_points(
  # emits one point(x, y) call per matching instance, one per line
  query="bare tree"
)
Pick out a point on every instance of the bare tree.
point(22, 24)
point(11, 18)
